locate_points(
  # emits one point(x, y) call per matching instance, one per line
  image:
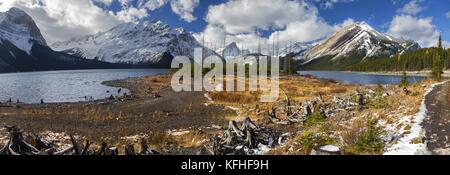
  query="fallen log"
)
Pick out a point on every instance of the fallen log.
point(65, 151)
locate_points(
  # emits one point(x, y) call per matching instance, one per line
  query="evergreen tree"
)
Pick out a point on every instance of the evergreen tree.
point(404, 82)
point(437, 69)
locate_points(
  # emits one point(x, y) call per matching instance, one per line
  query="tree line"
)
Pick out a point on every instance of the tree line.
point(421, 59)
point(435, 59)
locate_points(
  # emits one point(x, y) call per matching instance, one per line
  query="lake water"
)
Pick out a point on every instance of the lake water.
point(65, 86)
point(359, 78)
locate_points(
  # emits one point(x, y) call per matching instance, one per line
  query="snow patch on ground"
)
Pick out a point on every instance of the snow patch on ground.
point(405, 144)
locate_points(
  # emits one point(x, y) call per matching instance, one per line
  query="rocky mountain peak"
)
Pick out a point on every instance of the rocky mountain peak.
point(19, 28)
point(150, 42)
point(358, 39)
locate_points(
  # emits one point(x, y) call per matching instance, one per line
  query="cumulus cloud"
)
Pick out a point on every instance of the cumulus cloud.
point(152, 4)
point(411, 8)
point(132, 14)
point(185, 8)
point(303, 31)
point(241, 16)
point(243, 21)
point(60, 20)
point(421, 30)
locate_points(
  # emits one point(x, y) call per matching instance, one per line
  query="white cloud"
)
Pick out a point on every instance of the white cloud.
point(329, 4)
point(239, 20)
point(241, 16)
point(60, 20)
point(185, 8)
point(153, 4)
point(446, 44)
point(304, 31)
point(448, 15)
point(106, 2)
point(132, 14)
point(421, 30)
point(411, 8)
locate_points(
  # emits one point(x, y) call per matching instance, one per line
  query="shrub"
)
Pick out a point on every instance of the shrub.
point(309, 139)
point(378, 103)
point(404, 82)
point(316, 118)
point(369, 141)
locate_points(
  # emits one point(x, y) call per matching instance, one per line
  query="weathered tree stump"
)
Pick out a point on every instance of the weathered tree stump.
point(114, 151)
point(272, 115)
point(129, 150)
point(17, 144)
point(307, 110)
point(360, 98)
point(102, 150)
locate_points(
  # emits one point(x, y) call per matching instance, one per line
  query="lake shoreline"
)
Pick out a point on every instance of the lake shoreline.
point(66, 86)
point(409, 73)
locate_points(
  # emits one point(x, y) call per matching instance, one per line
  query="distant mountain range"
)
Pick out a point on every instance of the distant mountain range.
point(23, 48)
point(148, 43)
point(154, 44)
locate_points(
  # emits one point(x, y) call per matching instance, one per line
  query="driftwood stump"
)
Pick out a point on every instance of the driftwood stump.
point(17, 144)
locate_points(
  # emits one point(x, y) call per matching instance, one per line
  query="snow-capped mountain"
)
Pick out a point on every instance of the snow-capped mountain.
point(147, 43)
point(358, 41)
point(23, 48)
point(19, 28)
point(230, 51)
point(297, 50)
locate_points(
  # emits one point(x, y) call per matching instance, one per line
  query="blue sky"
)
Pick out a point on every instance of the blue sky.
point(377, 13)
point(245, 21)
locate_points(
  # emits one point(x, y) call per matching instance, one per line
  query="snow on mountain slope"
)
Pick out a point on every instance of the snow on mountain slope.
point(298, 50)
point(230, 51)
point(19, 28)
point(361, 39)
point(143, 43)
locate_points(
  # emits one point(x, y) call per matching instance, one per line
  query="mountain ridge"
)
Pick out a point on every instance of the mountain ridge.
point(23, 48)
point(152, 43)
point(356, 42)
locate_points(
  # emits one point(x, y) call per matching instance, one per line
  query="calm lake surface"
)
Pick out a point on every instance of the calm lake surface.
point(65, 86)
point(359, 78)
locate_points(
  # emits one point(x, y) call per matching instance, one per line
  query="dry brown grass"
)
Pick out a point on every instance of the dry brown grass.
point(235, 97)
point(298, 89)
